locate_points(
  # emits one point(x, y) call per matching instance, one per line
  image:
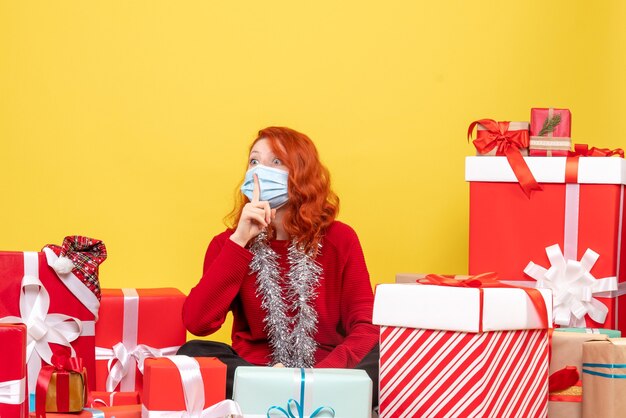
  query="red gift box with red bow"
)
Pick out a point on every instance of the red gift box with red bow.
point(61, 386)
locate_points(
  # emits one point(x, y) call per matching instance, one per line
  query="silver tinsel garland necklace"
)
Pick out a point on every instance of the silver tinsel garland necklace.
point(291, 338)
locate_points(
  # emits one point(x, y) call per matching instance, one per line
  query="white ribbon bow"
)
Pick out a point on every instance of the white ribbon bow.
point(193, 390)
point(43, 328)
point(122, 361)
point(573, 287)
point(13, 392)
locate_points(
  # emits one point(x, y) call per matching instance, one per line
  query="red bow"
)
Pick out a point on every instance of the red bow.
point(583, 150)
point(566, 378)
point(65, 363)
point(489, 280)
point(562, 379)
point(507, 143)
point(479, 280)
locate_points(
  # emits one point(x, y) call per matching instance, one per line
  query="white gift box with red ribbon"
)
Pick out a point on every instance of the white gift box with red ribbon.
point(459, 351)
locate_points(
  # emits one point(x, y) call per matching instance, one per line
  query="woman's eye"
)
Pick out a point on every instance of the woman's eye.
point(254, 161)
point(276, 161)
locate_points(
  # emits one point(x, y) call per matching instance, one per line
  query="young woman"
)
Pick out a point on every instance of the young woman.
point(294, 277)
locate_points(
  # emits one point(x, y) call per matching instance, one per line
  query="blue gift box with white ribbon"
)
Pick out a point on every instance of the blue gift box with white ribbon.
point(273, 392)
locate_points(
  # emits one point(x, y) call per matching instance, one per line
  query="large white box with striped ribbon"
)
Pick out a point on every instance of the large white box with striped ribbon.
point(461, 352)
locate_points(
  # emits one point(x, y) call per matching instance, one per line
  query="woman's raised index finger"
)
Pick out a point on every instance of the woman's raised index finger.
point(256, 190)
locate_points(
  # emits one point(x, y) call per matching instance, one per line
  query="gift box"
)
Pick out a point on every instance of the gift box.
point(565, 401)
point(13, 400)
point(611, 333)
point(550, 132)
point(566, 237)
point(123, 411)
point(462, 351)
point(604, 378)
point(267, 391)
point(61, 387)
point(58, 307)
point(175, 384)
point(135, 324)
point(99, 398)
point(415, 277)
point(509, 139)
point(493, 138)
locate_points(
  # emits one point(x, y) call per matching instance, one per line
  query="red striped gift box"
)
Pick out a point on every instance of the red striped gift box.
point(452, 352)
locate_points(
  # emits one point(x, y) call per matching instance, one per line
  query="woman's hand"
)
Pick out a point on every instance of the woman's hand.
point(255, 217)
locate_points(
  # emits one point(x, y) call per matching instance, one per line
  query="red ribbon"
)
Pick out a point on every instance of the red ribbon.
point(507, 143)
point(62, 366)
point(583, 150)
point(489, 280)
point(564, 379)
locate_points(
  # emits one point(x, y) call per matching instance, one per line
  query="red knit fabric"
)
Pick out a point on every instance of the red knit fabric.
point(345, 333)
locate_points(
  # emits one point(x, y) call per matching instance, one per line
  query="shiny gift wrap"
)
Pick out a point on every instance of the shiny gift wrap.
point(553, 142)
point(302, 393)
point(604, 378)
point(75, 387)
point(571, 231)
point(13, 399)
point(462, 351)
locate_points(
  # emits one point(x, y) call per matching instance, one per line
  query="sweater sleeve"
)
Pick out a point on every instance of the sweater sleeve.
point(357, 301)
point(225, 267)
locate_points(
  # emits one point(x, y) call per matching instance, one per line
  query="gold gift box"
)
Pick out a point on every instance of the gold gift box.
point(76, 389)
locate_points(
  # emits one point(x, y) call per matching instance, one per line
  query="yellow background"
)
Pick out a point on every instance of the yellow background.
point(129, 121)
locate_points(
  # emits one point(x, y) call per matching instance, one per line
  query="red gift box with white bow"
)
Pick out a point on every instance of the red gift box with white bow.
point(135, 324)
point(58, 309)
point(182, 386)
point(566, 237)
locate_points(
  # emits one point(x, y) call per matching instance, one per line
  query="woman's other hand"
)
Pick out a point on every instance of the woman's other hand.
point(255, 217)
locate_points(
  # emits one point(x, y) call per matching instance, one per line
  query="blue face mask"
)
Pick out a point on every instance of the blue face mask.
point(273, 184)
